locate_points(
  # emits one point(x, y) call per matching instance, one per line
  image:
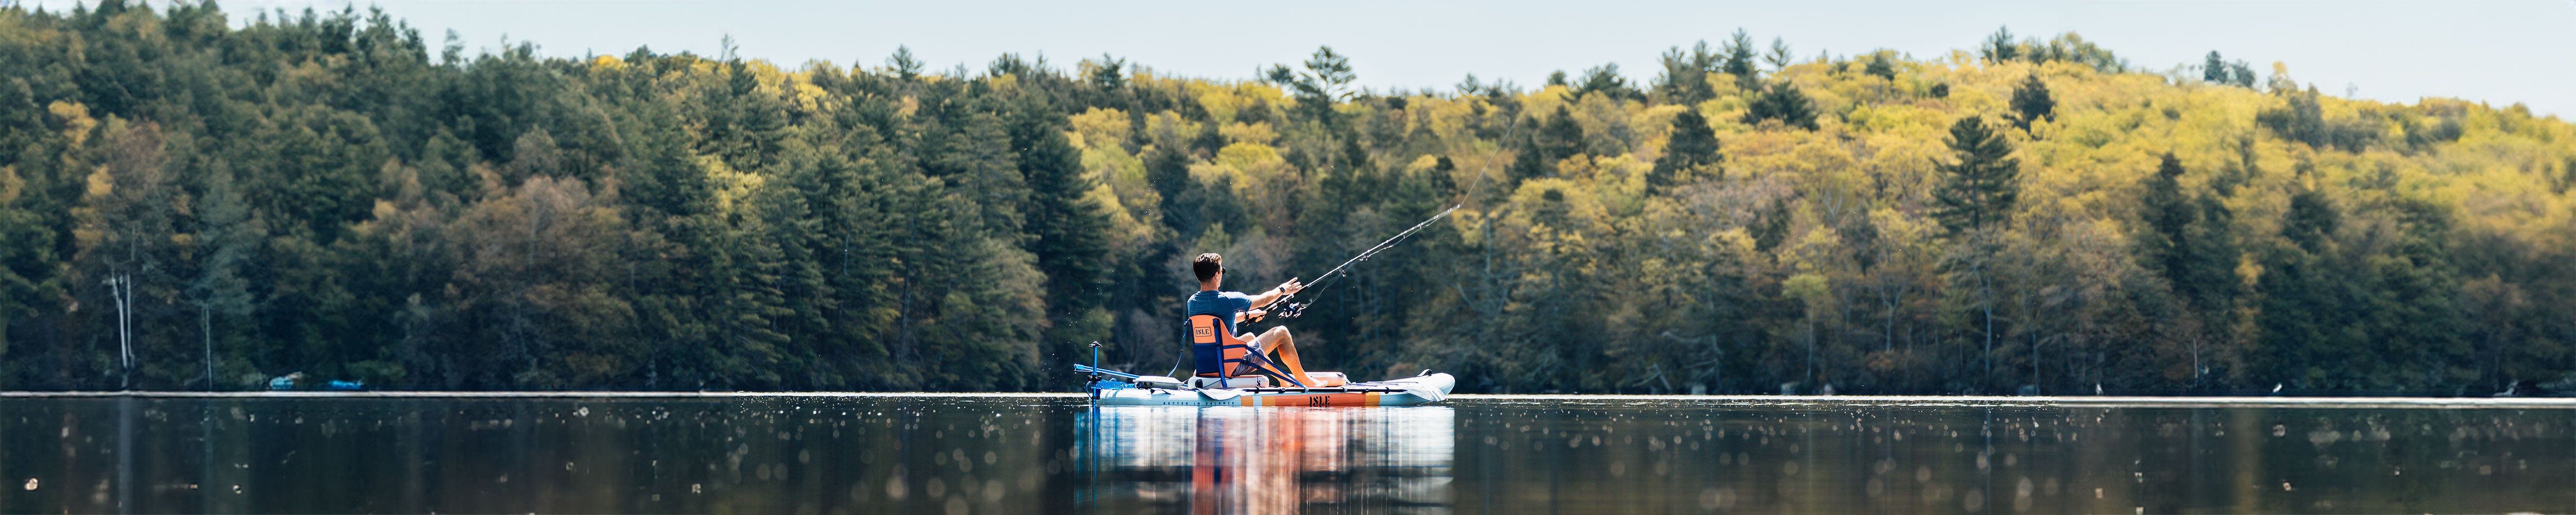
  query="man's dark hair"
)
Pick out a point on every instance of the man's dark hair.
point(1206, 265)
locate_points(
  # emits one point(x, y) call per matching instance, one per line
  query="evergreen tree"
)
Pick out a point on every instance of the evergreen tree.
point(1605, 79)
point(1068, 230)
point(903, 64)
point(1561, 137)
point(1879, 66)
point(1167, 170)
point(1556, 139)
point(1772, 226)
point(1739, 60)
point(1324, 81)
point(1999, 47)
point(1108, 73)
point(1692, 151)
point(1785, 103)
point(1684, 81)
point(1978, 191)
point(2214, 69)
point(2188, 242)
point(1779, 56)
point(2030, 99)
point(2310, 221)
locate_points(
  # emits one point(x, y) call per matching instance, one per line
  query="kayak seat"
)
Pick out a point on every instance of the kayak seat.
point(1219, 355)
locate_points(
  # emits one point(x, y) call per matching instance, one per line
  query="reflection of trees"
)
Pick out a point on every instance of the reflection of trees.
point(1268, 460)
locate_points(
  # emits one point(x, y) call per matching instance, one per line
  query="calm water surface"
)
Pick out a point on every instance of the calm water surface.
point(1039, 454)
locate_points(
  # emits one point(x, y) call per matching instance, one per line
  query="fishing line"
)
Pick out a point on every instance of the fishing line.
point(1292, 310)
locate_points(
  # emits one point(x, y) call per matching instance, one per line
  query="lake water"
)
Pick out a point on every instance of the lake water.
point(949, 454)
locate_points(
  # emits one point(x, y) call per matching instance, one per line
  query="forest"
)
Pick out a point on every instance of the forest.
point(191, 201)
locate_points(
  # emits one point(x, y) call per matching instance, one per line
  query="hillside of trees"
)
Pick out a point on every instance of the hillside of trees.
point(191, 202)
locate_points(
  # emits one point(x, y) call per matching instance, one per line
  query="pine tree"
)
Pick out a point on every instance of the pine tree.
point(1561, 137)
point(903, 63)
point(2214, 69)
point(1528, 162)
point(1605, 79)
point(1683, 81)
point(1739, 60)
point(2031, 100)
point(1325, 80)
point(1879, 66)
point(1068, 231)
point(2168, 213)
point(2310, 221)
point(1108, 73)
point(1167, 170)
point(1999, 47)
point(2566, 175)
point(1692, 151)
point(1979, 190)
point(1785, 103)
point(1779, 57)
point(2187, 241)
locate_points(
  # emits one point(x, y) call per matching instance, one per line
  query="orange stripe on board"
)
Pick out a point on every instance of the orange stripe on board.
point(1318, 400)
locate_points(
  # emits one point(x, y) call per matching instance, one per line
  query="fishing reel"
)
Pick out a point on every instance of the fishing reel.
point(1289, 310)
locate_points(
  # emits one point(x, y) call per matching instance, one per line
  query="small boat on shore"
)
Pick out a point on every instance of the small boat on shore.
point(1114, 388)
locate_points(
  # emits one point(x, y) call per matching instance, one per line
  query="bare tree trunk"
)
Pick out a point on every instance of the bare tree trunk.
point(206, 327)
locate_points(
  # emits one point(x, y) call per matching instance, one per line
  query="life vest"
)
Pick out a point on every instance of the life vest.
point(1220, 355)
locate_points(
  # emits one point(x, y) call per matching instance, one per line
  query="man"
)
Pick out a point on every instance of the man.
point(1232, 307)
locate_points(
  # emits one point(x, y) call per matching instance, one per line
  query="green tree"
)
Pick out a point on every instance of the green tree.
point(1558, 138)
point(2188, 244)
point(1068, 231)
point(1779, 56)
point(1324, 81)
point(1974, 200)
point(1880, 66)
point(1685, 78)
point(1691, 152)
point(1785, 103)
point(1978, 190)
point(2214, 69)
point(1999, 47)
point(227, 240)
point(1605, 79)
point(2031, 100)
point(1739, 60)
point(903, 64)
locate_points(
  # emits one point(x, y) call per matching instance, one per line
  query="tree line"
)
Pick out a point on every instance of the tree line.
point(191, 203)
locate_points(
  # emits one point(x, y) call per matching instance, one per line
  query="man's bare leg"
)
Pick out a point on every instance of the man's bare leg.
point(1277, 338)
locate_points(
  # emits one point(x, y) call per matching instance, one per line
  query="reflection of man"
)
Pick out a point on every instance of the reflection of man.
point(1232, 307)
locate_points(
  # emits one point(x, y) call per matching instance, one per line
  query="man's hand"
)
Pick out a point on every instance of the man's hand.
point(1284, 289)
point(1255, 315)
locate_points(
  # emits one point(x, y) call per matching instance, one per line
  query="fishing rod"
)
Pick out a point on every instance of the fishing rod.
point(1291, 310)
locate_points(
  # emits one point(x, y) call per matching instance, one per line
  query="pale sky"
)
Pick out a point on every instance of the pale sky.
point(2500, 52)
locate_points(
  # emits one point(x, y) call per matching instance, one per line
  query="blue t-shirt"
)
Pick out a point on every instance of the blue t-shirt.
point(1223, 304)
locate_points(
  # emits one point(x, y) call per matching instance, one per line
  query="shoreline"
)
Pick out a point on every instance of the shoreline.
point(1767, 400)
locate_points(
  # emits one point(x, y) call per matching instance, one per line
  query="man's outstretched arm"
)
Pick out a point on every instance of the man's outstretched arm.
point(1267, 297)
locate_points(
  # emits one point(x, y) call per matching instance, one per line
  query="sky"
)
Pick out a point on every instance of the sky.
point(2496, 51)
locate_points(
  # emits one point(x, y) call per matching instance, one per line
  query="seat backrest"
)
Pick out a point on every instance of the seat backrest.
point(1218, 352)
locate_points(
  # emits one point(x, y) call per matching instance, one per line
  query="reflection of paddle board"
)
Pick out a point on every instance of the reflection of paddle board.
point(1398, 392)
